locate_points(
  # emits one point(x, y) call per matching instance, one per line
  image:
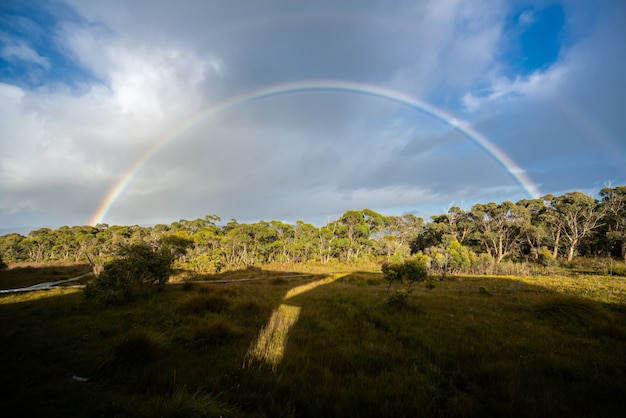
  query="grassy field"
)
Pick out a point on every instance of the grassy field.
point(323, 345)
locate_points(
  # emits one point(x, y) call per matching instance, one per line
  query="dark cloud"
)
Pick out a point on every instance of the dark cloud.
point(141, 73)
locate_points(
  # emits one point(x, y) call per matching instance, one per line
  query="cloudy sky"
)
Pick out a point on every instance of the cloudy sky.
point(150, 111)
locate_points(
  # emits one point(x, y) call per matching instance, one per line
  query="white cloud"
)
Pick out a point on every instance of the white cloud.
point(19, 50)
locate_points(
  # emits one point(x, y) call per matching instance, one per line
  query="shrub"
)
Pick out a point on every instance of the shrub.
point(406, 273)
point(3, 265)
point(136, 266)
point(546, 259)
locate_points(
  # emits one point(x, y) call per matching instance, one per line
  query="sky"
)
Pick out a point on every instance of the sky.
point(137, 112)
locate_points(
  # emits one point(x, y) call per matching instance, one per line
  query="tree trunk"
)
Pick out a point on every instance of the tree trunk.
point(555, 253)
point(572, 247)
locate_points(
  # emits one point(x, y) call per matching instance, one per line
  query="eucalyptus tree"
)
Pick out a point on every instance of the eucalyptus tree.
point(11, 248)
point(535, 231)
point(38, 245)
point(305, 244)
point(498, 227)
point(614, 209)
point(352, 229)
point(279, 247)
point(399, 232)
point(553, 222)
point(578, 214)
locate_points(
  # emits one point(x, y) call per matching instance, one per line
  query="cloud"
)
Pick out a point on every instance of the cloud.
point(138, 82)
point(18, 50)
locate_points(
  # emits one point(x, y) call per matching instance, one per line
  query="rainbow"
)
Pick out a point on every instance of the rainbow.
point(466, 130)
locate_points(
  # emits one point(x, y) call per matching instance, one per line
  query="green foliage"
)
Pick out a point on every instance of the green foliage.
point(546, 259)
point(406, 273)
point(137, 266)
point(3, 265)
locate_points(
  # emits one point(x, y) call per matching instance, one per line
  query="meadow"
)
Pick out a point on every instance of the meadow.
point(319, 345)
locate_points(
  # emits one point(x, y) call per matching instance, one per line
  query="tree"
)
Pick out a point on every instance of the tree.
point(407, 272)
point(614, 204)
point(499, 227)
point(535, 231)
point(578, 215)
point(136, 266)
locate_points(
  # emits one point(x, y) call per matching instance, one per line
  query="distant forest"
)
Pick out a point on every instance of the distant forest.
point(540, 232)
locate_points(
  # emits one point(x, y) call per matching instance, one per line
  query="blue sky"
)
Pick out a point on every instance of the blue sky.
point(88, 88)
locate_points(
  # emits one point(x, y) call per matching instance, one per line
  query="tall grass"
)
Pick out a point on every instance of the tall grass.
point(521, 346)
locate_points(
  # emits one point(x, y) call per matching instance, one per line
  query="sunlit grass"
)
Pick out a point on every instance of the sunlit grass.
point(309, 286)
point(269, 346)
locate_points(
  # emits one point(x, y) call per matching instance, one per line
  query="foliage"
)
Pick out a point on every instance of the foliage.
point(546, 259)
point(406, 273)
point(3, 265)
point(458, 242)
point(137, 266)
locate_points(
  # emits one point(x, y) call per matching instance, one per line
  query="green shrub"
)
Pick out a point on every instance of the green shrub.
point(3, 265)
point(136, 266)
point(407, 273)
point(546, 259)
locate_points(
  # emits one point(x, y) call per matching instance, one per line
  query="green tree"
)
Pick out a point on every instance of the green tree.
point(136, 267)
point(498, 227)
point(578, 215)
point(614, 204)
point(407, 272)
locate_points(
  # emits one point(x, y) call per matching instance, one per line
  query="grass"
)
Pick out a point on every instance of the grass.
point(470, 346)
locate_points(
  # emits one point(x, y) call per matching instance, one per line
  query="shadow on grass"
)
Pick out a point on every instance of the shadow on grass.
point(27, 275)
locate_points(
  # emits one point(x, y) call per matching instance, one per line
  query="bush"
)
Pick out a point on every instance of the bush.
point(3, 265)
point(546, 259)
point(136, 266)
point(406, 273)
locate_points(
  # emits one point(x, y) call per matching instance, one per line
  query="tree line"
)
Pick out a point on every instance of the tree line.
point(543, 231)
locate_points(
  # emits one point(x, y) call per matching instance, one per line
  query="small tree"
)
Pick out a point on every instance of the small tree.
point(407, 273)
point(135, 266)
